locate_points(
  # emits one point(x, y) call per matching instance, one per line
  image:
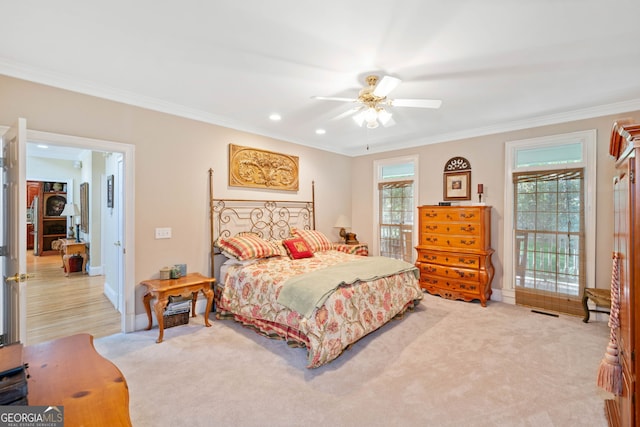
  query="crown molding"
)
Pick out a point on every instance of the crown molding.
point(58, 80)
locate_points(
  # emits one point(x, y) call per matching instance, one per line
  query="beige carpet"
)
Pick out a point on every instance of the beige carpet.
point(448, 363)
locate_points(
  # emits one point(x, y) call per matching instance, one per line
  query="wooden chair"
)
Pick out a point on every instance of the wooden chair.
point(601, 297)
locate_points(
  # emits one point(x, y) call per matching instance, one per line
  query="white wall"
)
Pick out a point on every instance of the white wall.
point(486, 155)
point(172, 159)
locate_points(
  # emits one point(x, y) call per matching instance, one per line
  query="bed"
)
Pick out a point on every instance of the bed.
point(284, 279)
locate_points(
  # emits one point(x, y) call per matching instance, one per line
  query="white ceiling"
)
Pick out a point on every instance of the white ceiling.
point(496, 64)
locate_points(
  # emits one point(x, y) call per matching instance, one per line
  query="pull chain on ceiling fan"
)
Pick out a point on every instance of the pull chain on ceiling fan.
point(374, 102)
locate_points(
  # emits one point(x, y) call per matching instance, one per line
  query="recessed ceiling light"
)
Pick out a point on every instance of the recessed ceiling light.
point(275, 117)
point(320, 131)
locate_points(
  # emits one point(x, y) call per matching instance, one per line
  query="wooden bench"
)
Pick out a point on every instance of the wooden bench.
point(601, 298)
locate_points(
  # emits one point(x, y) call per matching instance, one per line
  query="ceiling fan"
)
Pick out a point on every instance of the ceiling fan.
point(373, 102)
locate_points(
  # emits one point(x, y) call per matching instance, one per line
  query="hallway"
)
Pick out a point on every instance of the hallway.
point(58, 305)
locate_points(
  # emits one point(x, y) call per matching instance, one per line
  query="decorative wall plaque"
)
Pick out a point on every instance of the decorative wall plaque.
point(250, 167)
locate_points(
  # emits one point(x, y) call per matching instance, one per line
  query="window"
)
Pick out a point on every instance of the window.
point(394, 199)
point(549, 233)
point(550, 210)
point(396, 219)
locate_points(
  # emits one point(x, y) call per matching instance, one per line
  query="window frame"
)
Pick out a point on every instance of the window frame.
point(377, 173)
point(588, 139)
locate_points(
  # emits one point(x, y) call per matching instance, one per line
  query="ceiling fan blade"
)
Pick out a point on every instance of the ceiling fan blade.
point(385, 86)
point(389, 122)
point(419, 103)
point(347, 113)
point(333, 98)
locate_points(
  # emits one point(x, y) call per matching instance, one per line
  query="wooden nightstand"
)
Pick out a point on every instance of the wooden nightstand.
point(355, 249)
point(188, 285)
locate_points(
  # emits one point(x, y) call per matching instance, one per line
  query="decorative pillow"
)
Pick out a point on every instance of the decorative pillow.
point(247, 246)
point(316, 240)
point(297, 248)
point(282, 251)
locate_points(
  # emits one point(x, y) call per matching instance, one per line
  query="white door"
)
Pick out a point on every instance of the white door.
point(14, 231)
point(121, 243)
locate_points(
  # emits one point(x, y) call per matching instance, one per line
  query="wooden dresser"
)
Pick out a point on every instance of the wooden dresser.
point(454, 251)
point(624, 410)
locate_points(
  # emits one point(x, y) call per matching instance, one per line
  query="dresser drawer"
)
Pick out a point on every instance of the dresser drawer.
point(447, 271)
point(430, 282)
point(451, 241)
point(464, 229)
point(453, 259)
point(451, 215)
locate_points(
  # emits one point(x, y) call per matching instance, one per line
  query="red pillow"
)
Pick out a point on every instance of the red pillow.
point(297, 248)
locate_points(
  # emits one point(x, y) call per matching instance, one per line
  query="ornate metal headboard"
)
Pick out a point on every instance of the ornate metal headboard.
point(270, 219)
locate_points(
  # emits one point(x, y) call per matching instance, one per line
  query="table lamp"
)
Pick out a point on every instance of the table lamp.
point(71, 210)
point(342, 223)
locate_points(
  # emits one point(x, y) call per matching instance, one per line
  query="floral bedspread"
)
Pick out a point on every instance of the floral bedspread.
point(351, 312)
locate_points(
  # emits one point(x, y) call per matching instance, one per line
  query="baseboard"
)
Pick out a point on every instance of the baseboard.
point(95, 271)
point(508, 296)
point(111, 294)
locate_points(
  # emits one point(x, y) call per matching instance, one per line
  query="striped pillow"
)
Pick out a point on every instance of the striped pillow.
point(247, 246)
point(316, 240)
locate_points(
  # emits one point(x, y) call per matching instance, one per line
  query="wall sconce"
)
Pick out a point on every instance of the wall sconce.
point(480, 192)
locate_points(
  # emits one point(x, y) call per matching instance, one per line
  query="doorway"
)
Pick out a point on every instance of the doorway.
point(125, 174)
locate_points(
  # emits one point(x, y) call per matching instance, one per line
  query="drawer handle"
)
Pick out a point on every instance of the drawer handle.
point(463, 274)
point(468, 242)
point(430, 214)
point(432, 239)
point(467, 215)
point(467, 261)
point(430, 257)
point(431, 227)
point(430, 269)
point(469, 228)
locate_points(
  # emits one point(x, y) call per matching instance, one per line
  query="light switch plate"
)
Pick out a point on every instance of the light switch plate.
point(163, 233)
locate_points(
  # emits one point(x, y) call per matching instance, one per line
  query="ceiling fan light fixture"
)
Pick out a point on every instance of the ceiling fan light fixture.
point(359, 118)
point(384, 116)
point(371, 115)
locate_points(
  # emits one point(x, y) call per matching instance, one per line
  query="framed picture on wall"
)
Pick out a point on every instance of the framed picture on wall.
point(110, 191)
point(84, 207)
point(457, 185)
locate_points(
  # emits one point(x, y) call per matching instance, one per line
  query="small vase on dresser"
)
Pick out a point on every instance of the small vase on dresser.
point(454, 252)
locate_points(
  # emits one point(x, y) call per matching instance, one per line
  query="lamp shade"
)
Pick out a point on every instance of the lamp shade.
point(343, 222)
point(70, 209)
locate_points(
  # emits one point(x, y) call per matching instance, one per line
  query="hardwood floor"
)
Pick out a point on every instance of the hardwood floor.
point(59, 306)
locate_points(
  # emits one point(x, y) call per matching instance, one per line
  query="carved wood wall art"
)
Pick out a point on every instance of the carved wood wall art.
point(250, 167)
